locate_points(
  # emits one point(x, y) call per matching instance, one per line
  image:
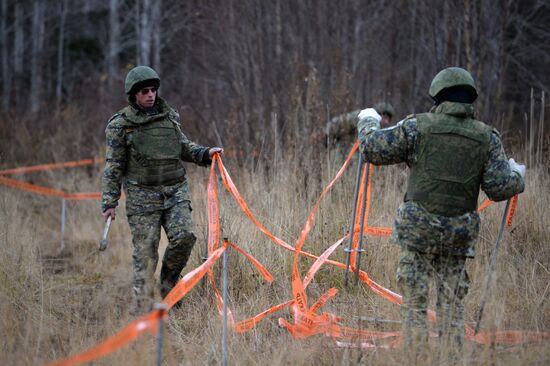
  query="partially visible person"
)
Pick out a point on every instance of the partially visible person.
point(342, 129)
point(145, 151)
point(451, 156)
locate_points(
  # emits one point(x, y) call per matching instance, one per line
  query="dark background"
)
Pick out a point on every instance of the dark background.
point(244, 73)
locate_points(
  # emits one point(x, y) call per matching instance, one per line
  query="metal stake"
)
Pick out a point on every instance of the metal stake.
point(63, 214)
point(348, 250)
point(363, 211)
point(491, 265)
point(224, 334)
point(160, 335)
point(103, 243)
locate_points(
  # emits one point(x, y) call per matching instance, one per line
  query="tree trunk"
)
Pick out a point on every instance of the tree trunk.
point(145, 31)
point(18, 47)
point(6, 74)
point(114, 44)
point(36, 58)
point(60, 51)
point(157, 31)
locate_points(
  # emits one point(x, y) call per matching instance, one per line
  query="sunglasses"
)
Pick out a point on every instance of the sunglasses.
point(146, 91)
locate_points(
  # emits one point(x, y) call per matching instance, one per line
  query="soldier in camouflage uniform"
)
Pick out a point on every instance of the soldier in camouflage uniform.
point(145, 151)
point(343, 127)
point(451, 156)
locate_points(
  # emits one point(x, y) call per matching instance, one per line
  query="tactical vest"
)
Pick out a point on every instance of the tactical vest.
point(154, 153)
point(452, 152)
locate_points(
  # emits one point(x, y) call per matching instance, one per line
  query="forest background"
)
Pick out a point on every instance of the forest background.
point(262, 79)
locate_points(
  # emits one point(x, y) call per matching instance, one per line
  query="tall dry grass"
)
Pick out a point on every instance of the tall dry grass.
point(54, 304)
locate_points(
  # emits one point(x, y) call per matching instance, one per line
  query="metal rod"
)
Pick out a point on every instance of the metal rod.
point(224, 334)
point(103, 243)
point(352, 224)
point(160, 335)
point(491, 265)
point(63, 214)
point(363, 212)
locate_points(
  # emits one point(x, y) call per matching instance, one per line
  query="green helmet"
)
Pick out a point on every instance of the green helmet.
point(138, 75)
point(384, 108)
point(451, 77)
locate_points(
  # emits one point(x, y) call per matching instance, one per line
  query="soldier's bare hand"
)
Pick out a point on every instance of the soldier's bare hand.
point(214, 150)
point(109, 212)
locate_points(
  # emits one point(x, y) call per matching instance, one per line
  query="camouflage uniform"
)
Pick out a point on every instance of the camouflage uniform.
point(342, 129)
point(435, 246)
point(151, 204)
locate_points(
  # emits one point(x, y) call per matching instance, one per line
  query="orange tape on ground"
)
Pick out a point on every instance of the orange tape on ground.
point(323, 300)
point(52, 166)
point(380, 290)
point(246, 325)
point(147, 322)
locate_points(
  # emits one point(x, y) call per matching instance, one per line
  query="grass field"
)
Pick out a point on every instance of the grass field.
point(57, 303)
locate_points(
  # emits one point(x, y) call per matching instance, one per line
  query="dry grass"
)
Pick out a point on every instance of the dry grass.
point(56, 304)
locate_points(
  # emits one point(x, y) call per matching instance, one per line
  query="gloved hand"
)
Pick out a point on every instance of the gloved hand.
point(369, 112)
point(518, 168)
point(374, 121)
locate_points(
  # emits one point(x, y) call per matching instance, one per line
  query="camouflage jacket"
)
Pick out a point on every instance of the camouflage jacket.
point(117, 153)
point(415, 227)
point(342, 127)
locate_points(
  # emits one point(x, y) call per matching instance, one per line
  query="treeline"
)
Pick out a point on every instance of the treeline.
point(252, 68)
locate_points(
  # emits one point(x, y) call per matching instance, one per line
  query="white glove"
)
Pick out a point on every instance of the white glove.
point(369, 112)
point(518, 168)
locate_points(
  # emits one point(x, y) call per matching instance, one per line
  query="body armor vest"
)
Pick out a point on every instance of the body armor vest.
point(452, 152)
point(154, 153)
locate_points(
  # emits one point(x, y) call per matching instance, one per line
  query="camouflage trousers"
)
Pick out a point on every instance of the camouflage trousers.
point(414, 274)
point(145, 227)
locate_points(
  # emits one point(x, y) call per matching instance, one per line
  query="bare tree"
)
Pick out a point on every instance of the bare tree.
point(62, 9)
point(6, 74)
point(114, 43)
point(36, 58)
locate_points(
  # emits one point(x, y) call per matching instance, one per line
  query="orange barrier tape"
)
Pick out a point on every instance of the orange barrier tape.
point(511, 211)
point(484, 205)
point(378, 231)
point(52, 166)
point(133, 330)
point(83, 196)
point(323, 300)
point(301, 327)
point(320, 261)
point(46, 191)
point(31, 187)
point(300, 296)
point(509, 337)
point(230, 186)
point(246, 325)
point(307, 322)
point(357, 221)
point(263, 271)
point(192, 278)
point(213, 210)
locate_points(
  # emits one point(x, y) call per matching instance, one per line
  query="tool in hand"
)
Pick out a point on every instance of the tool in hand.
point(103, 243)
